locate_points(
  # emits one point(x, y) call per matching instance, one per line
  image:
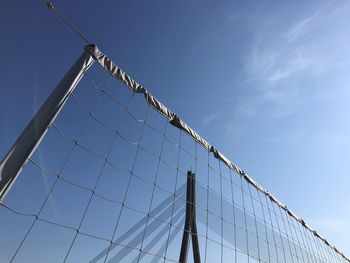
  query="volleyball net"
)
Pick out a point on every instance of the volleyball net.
point(105, 173)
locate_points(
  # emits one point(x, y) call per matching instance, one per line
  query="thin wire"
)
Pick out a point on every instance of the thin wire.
point(233, 214)
point(127, 187)
point(91, 196)
point(152, 197)
point(245, 220)
point(271, 224)
point(256, 226)
point(304, 243)
point(174, 198)
point(296, 239)
point(220, 195)
point(207, 213)
point(66, 21)
point(37, 218)
point(221, 215)
point(57, 179)
point(278, 227)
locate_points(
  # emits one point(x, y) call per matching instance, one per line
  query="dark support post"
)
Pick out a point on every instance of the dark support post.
point(190, 222)
point(195, 243)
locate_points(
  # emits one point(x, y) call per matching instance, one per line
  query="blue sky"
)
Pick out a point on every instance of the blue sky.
point(266, 82)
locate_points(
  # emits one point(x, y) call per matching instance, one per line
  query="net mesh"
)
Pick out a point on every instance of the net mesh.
point(108, 184)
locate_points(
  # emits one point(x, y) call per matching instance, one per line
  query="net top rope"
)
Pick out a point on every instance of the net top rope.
point(176, 121)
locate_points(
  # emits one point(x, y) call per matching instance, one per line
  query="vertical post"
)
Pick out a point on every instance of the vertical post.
point(187, 228)
point(194, 233)
point(190, 222)
point(26, 143)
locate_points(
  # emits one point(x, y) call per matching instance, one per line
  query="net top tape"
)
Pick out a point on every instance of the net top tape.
point(176, 121)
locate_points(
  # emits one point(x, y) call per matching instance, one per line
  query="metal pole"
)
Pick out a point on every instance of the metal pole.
point(190, 222)
point(187, 229)
point(194, 233)
point(26, 143)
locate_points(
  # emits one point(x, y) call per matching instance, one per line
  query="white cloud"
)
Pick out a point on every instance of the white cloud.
point(210, 118)
point(279, 61)
point(293, 64)
point(303, 26)
point(271, 65)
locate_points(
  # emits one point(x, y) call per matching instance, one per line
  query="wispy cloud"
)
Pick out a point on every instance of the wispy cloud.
point(278, 61)
point(304, 25)
point(271, 65)
point(293, 64)
point(211, 117)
